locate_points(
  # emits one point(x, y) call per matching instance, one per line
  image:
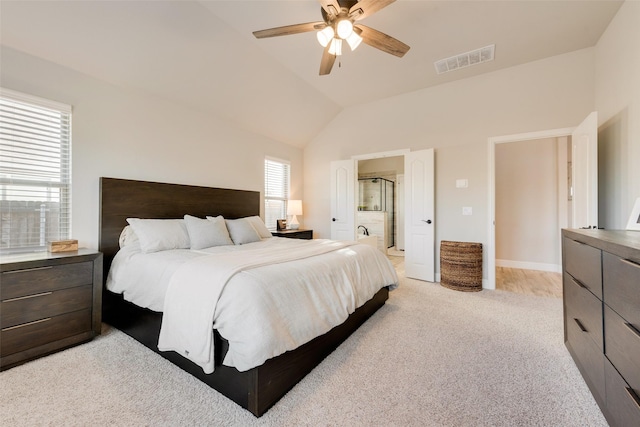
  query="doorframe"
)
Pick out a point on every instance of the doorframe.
point(491, 226)
point(395, 153)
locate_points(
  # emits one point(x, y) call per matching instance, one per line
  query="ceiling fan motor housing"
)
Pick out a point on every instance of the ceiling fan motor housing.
point(345, 6)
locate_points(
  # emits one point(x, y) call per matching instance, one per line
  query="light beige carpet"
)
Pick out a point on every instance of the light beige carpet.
point(430, 357)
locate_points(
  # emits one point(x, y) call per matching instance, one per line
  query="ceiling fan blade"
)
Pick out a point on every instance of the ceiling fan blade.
point(327, 61)
point(368, 7)
point(332, 7)
point(382, 41)
point(288, 29)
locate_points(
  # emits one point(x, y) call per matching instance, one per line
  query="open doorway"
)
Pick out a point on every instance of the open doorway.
point(418, 207)
point(379, 200)
point(582, 209)
point(532, 197)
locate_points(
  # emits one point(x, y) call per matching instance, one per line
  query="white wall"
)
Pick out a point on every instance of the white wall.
point(393, 164)
point(617, 98)
point(121, 133)
point(527, 226)
point(456, 119)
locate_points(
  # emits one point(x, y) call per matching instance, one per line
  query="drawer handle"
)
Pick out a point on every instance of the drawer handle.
point(27, 269)
point(28, 296)
point(633, 329)
point(582, 328)
point(632, 394)
point(26, 324)
point(632, 263)
point(577, 282)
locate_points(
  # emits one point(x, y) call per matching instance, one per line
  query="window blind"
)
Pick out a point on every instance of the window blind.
point(35, 172)
point(276, 191)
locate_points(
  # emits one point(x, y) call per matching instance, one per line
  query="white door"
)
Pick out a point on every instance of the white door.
point(343, 202)
point(584, 175)
point(419, 215)
point(400, 212)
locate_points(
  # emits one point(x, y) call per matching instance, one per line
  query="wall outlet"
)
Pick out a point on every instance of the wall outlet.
point(467, 210)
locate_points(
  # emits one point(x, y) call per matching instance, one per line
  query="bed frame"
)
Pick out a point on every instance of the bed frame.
point(257, 389)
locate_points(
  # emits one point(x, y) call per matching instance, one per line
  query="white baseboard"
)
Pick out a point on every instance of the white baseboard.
point(554, 268)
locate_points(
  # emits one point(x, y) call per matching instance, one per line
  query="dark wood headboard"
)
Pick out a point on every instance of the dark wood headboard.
point(122, 198)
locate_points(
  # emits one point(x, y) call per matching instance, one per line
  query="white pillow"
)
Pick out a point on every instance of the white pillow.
point(241, 231)
point(262, 229)
point(207, 233)
point(160, 234)
point(128, 237)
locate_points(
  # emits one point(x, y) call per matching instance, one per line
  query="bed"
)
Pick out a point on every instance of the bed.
point(255, 389)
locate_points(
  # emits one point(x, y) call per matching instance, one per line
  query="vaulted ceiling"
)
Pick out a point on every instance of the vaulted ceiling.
point(202, 54)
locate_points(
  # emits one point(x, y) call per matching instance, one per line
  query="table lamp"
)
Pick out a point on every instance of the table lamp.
point(294, 207)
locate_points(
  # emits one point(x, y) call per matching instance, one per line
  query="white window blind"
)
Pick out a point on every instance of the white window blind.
point(276, 191)
point(35, 172)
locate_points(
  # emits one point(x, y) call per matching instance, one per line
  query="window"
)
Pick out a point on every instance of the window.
point(276, 190)
point(35, 172)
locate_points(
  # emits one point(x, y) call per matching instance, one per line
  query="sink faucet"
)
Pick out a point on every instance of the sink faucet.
point(366, 232)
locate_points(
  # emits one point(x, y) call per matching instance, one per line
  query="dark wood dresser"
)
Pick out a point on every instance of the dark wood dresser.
point(601, 287)
point(48, 302)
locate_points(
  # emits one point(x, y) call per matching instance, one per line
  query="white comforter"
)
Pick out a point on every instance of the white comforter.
point(269, 297)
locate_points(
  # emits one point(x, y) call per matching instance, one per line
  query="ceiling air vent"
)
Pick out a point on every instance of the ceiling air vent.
point(466, 59)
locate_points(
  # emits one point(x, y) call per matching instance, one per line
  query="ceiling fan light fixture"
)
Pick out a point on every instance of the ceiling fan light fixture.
point(325, 36)
point(344, 28)
point(338, 24)
point(336, 47)
point(354, 40)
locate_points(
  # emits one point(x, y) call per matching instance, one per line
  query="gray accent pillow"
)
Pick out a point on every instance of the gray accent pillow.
point(258, 224)
point(207, 233)
point(160, 234)
point(241, 231)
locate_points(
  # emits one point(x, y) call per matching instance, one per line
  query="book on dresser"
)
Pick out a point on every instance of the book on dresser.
point(48, 302)
point(601, 295)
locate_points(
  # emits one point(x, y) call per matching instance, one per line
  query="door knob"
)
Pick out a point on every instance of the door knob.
point(428, 221)
point(333, 219)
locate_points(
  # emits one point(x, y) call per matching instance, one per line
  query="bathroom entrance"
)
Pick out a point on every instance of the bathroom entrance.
point(379, 203)
point(418, 206)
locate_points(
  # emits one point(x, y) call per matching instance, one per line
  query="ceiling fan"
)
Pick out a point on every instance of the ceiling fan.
point(338, 26)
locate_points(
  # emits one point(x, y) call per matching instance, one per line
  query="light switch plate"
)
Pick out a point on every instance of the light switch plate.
point(467, 210)
point(462, 183)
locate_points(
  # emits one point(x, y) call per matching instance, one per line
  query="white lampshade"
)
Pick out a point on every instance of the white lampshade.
point(354, 40)
point(344, 28)
point(336, 47)
point(325, 36)
point(294, 207)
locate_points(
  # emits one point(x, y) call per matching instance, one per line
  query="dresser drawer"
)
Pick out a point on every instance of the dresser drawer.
point(45, 304)
point(584, 263)
point(25, 336)
point(623, 401)
point(622, 344)
point(19, 283)
point(621, 286)
point(588, 357)
point(583, 310)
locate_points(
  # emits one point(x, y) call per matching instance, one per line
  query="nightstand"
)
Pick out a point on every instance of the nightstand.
point(294, 234)
point(48, 302)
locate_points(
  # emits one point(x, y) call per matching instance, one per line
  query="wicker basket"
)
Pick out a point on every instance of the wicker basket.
point(461, 266)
